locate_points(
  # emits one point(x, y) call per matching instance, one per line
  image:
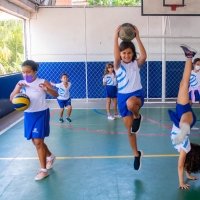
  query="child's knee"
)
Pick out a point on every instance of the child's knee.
point(132, 105)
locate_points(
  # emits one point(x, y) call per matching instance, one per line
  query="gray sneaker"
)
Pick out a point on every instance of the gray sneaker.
point(189, 52)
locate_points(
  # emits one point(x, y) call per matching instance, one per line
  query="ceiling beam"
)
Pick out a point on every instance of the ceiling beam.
point(25, 4)
point(15, 10)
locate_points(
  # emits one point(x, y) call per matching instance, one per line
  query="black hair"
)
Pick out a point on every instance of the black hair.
point(32, 64)
point(196, 60)
point(192, 161)
point(125, 45)
point(64, 74)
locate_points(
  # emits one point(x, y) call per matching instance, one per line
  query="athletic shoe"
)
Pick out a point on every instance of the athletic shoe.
point(137, 161)
point(189, 52)
point(50, 162)
point(110, 117)
point(41, 175)
point(61, 120)
point(117, 116)
point(136, 124)
point(68, 119)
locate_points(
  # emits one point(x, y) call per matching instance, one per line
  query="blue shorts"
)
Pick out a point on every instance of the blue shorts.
point(64, 103)
point(111, 91)
point(122, 98)
point(180, 110)
point(194, 95)
point(36, 124)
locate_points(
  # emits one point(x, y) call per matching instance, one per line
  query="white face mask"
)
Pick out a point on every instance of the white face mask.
point(197, 67)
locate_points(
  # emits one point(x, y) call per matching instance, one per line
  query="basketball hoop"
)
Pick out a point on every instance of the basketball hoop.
point(174, 6)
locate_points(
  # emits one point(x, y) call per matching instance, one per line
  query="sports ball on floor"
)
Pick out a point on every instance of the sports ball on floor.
point(126, 32)
point(21, 102)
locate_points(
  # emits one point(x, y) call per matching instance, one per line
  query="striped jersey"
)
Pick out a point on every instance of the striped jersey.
point(194, 80)
point(185, 145)
point(110, 79)
point(128, 77)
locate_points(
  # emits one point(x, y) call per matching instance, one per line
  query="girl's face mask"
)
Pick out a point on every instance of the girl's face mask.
point(197, 67)
point(29, 78)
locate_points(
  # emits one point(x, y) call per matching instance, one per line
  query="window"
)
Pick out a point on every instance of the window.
point(11, 43)
point(98, 2)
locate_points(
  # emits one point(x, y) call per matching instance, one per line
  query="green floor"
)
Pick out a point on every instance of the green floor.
point(94, 161)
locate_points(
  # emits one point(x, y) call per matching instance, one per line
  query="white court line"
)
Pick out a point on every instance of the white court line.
point(10, 126)
point(93, 157)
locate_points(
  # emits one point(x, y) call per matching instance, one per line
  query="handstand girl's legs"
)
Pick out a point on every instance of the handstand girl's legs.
point(183, 96)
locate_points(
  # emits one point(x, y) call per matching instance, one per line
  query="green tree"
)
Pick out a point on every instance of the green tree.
point(11, 45)
point(114, 2)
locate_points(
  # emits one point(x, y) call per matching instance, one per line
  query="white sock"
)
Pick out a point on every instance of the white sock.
point(50, 157)
point(43, 169)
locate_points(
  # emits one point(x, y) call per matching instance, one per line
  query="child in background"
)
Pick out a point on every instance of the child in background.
point(64, 99)
point(37, 116)
point(183, 119)
point(110, 83)
point(194, 89)
point(130, 93)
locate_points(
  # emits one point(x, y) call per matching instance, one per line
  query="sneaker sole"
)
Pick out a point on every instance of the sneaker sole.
point(189, 48)
point(41, 178)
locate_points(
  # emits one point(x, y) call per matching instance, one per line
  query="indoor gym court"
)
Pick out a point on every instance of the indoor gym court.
point(94, 159)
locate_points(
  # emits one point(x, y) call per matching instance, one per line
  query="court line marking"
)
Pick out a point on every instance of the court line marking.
point(93, 157)
point(10, 126)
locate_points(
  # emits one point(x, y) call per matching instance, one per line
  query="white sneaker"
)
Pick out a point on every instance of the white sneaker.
point(41, 175)
point(110, 117)
point(50, 162)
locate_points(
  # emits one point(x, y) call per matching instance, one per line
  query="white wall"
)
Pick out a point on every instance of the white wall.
point(79, 34)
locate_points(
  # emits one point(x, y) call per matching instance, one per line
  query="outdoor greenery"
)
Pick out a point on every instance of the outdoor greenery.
point(114, 2)
point(11, 46)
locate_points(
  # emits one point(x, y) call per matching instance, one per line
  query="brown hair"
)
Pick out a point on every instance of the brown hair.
point(108, 65)
point(125, 45)
point(196, 60)
point(192, 161)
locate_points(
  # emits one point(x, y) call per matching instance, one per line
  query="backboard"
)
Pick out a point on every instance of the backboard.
point(170, 7)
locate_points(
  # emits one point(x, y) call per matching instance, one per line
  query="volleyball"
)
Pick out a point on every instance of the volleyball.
point(126, 32)
point(21, 102)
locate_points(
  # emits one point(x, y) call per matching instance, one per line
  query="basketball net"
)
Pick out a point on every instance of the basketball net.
point(174, 6)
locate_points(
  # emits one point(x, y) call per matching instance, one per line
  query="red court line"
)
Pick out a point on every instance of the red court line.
point(158, 123)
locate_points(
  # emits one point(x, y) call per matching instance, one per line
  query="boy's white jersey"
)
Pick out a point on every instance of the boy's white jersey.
point(110, 79)
point(128, 77)
point(63, 91)
point(36, 94)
